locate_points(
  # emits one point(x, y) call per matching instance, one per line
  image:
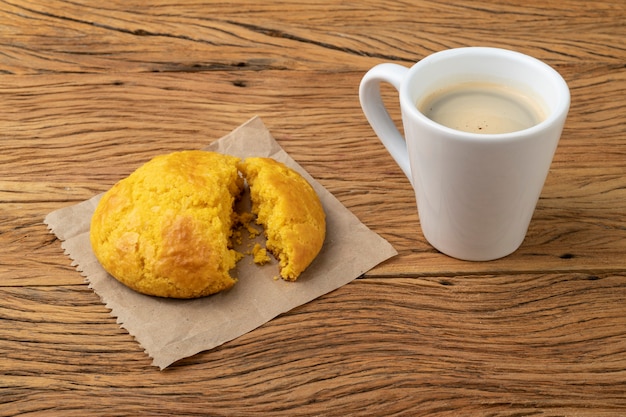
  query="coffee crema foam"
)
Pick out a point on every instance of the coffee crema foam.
point(482, 107)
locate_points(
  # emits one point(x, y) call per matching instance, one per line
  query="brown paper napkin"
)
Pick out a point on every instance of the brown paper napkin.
point(170, 329)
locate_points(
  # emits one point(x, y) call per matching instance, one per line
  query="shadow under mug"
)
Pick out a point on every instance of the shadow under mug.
point(475, 192)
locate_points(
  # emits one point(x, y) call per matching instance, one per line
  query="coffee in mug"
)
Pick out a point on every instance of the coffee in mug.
point(483, 107)
point(481, 126)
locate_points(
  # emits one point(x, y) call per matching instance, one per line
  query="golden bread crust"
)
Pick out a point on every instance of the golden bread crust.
point(289, 210)
point(165, 230)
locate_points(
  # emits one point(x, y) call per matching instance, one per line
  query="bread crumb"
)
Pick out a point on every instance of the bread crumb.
point(244, 219)
point(260, 255)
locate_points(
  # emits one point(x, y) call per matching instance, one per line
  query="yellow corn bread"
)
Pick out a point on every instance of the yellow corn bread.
point(290, 212)
point(165, 230)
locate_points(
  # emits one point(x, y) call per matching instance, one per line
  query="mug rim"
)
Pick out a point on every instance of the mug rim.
point(558, 113)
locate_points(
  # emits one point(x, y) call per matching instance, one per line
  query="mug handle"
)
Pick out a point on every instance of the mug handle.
point(378, 116)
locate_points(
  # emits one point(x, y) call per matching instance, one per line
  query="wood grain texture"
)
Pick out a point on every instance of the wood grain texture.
point(63, 36)
point(88, 91)
point(411, 346)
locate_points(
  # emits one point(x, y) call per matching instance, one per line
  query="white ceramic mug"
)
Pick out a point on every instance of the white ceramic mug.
point(476, 193)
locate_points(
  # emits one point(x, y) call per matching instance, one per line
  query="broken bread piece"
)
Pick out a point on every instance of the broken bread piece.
point(290, 211)
point(166, 229)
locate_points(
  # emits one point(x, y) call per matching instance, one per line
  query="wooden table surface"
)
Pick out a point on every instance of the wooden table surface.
point(90, 90)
